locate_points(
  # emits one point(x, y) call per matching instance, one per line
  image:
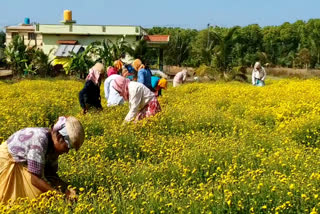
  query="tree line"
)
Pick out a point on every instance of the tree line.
point(293, 45)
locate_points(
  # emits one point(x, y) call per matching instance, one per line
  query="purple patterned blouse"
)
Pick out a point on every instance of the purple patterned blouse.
point(29, 146)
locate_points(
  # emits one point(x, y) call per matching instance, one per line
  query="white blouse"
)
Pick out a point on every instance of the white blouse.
point(139, 97)
point(112, 96)
point(256, 74)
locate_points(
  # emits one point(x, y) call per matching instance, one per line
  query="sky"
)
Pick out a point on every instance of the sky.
point(195, 14)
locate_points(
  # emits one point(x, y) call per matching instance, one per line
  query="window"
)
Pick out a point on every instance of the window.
point(14, 34)
point(31, 36)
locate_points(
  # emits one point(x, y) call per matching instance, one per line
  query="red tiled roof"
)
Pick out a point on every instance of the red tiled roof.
point(67, 42)
point(157, 38)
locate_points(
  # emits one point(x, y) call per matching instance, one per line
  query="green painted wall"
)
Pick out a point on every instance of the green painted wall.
point(50, 41)
point(90, 29)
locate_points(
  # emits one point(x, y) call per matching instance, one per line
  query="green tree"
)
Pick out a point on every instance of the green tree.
point(222, 52)
point(2, 39)
point(247, 46)
point(17, 55)
point(303, 58)
point(204, 43)
point(178, 51)
point(313, 34)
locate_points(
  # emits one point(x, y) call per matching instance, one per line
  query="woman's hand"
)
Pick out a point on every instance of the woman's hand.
point(71, 194)
point(84, 111)
point(40, 184)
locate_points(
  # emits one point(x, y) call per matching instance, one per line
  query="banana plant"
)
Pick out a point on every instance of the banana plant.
point(16, 55)
point(82, 62)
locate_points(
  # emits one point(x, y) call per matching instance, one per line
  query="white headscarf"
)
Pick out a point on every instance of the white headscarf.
point(257, 65)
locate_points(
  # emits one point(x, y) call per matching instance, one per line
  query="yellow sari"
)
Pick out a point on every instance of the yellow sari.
point(15, 180)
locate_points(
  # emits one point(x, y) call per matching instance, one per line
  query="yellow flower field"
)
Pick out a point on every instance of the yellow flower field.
point(214, 148)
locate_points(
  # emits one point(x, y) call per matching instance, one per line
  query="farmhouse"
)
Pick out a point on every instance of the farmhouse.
point(61, 39)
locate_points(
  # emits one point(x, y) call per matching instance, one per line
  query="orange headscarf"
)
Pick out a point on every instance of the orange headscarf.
point(137, 65)
point(163, 83)
point(118, 64)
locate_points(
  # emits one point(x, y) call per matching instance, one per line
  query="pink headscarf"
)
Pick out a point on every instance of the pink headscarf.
point(112, 70)
point(121, 84)
point(93, 76)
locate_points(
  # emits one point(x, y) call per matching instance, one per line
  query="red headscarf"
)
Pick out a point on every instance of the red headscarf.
point(112, 70)
point(121, 84)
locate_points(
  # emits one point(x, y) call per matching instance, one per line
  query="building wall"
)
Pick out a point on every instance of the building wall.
point(90, 29)
point(25, 34)
point(49, 41)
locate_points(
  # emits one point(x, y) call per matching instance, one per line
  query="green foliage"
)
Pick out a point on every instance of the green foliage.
point(2, 46)
point(224, 48)
point(17, 55)
point(25, 60)
point(207, 71)
point(178, 51)
point(2, 39)
point(303, 58)
point(308, 135)
point(239, 73)
point(106, 52)
point(83, 61)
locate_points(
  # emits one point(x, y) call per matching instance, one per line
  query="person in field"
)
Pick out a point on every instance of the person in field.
point(130, 71)
point(112, 96)
point(144, 76)
point(180, 78)
point(258, 75)
point(89, 96)
point(29, 159)
point(142, 102)
point(111, 70)
point(158, 84)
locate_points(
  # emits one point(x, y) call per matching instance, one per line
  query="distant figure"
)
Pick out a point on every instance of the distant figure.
point(89, 96)
point(258, 75)
point(158, 84)
point(29, 159)
point(142, 102)
point(112, 96)
point(180, 78)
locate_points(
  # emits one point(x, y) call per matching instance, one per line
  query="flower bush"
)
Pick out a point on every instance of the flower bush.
point(214, 148)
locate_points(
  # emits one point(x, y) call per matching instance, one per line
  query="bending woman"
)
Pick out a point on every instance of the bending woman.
point(142, 102)
point(89, 96)
point(31, 154)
